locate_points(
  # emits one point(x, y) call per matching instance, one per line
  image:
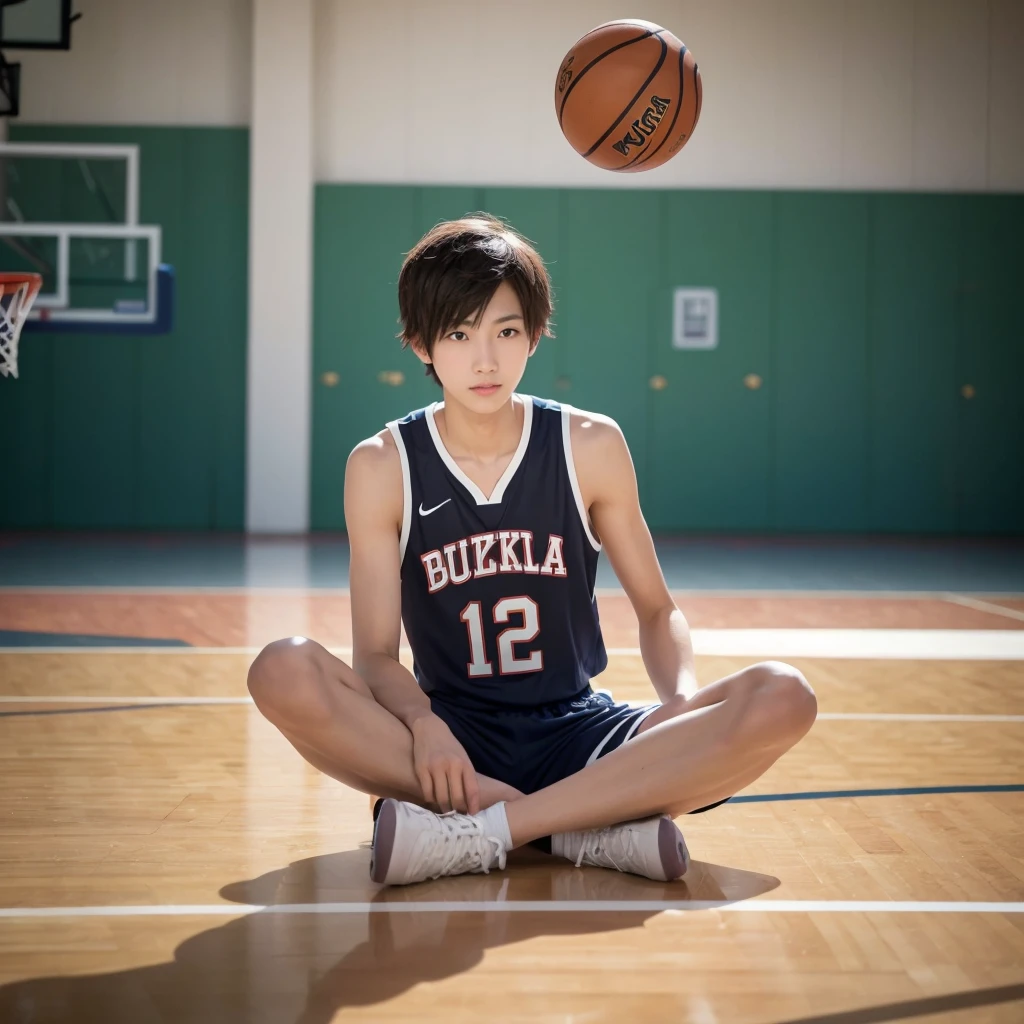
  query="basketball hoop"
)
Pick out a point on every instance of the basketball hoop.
point(17, 293)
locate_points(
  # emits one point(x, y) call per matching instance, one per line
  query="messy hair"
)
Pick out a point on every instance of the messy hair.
point(452, 273)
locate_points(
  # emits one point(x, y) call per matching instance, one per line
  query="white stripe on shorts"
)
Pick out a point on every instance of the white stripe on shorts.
point(634, 724)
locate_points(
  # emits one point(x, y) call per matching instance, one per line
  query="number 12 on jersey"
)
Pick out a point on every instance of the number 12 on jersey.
point(508, 663)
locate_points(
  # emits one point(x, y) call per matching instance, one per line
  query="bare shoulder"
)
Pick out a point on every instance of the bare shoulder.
point(594, 435)
point(600, 453)
point(375, 454)
point(373, 478)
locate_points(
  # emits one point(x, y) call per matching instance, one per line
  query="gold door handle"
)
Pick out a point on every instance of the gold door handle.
point(329, 379)
point(393, 378)
point(968, 391)
point(657, 383)
point(752, 382)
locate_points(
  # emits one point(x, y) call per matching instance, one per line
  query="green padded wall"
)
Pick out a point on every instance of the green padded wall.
point(864, 314)
point(112, 432)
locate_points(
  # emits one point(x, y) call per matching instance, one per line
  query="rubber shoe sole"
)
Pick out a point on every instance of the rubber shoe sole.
point(383, 841)
point(675, 858)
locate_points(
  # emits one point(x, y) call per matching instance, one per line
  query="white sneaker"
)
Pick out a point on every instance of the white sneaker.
point(412, 844)
point(653, 847)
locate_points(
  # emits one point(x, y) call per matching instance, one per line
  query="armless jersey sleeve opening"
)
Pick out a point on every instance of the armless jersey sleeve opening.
point(570, 467)
point(396, 433)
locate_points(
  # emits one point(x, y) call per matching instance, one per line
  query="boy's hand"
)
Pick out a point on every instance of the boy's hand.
point(443, 767)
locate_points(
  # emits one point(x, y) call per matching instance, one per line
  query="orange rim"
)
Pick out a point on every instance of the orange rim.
point(11, 280)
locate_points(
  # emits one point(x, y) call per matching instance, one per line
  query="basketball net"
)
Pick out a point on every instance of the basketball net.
point(17, 293)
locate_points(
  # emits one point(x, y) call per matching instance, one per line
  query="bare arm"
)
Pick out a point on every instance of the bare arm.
point(373, 515)
point(608, 486)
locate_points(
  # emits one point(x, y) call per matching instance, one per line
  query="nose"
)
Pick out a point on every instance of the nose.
point(485, 356)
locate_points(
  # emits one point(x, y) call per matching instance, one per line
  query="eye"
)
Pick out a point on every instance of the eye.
point(458, 336)
point(508, 332)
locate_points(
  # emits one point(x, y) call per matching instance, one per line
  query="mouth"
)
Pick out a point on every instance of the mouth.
point(486, 389)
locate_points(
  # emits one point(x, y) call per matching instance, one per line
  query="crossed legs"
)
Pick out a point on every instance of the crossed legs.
point(688, 754)
point(329, 715)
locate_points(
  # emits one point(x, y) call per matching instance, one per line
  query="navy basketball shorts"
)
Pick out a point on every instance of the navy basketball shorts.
point(530, 748)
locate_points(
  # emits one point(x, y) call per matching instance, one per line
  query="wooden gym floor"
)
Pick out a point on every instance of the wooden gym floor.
point(167, 857)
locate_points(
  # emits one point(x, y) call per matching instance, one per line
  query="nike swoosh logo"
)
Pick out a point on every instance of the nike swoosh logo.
point(427, 511)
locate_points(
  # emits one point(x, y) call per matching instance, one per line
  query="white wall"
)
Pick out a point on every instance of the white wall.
point(901, 94)
point(280, 272)
point(182, 62)
point(905, 94)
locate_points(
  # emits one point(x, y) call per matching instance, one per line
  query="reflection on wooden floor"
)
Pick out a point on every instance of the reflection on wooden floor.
point(203, 811)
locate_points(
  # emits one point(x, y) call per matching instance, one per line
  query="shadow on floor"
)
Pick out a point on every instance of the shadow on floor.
point(274, 966)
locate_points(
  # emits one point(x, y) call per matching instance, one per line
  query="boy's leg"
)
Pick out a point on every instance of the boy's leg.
point(330, 716)
point(687, 755)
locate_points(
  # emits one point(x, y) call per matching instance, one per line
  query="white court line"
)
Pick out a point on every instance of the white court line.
point(868, 716)
point(310, 591)
point(895, 644)
point(116, 699)
point(826, 716)
point(341, 651)
point(916, 644)
point(858, 716)
point(199, 591)
point(755, 906)
point(985, 606)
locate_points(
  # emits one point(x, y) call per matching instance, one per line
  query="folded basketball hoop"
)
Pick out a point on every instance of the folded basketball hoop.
point(17, 293)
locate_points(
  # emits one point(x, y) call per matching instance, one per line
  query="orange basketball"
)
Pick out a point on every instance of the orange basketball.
point(628, 96)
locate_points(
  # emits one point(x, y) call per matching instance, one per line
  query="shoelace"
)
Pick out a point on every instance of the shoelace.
point(593, 846)
point(461, 847)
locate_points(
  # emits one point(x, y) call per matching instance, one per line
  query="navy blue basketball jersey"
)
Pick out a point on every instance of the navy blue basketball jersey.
point(498, 591)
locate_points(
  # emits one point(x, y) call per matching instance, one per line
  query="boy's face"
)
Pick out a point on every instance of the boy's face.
point(481, 364)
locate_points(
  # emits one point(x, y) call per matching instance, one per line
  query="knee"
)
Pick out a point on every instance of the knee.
point(783, 704)
point(283, 678)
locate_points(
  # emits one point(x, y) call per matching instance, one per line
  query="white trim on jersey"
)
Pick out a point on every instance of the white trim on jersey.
point(570, 466)
point(406, 488)
point(498, 494)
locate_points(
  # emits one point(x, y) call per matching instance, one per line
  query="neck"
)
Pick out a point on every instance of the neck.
point(480, 436)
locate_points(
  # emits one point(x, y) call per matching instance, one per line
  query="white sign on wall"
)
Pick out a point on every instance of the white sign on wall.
point(695, 318)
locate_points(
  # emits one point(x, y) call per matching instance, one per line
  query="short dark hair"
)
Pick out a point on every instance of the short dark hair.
point(455, 269)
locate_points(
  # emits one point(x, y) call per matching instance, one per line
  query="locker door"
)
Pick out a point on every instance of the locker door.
point(820, 362)
point(610, 285)
point(709, 453)
point(361, 377)
point(991, 368)
point(912, 300)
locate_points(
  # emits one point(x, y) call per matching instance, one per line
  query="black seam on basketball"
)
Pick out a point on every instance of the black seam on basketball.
point(599, 57)
point(696, 99)
point(632, 102)
point(644, 157)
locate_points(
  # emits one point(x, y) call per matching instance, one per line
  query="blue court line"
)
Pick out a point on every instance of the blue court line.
point(763, 798)
point(90, 711)
point(28, 638)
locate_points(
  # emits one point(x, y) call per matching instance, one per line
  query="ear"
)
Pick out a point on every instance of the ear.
point(535, 342)
point(420, 352)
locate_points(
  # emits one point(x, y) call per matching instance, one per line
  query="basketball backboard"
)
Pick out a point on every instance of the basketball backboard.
point(70, 212)
point(36, 24)
point(10, 88)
